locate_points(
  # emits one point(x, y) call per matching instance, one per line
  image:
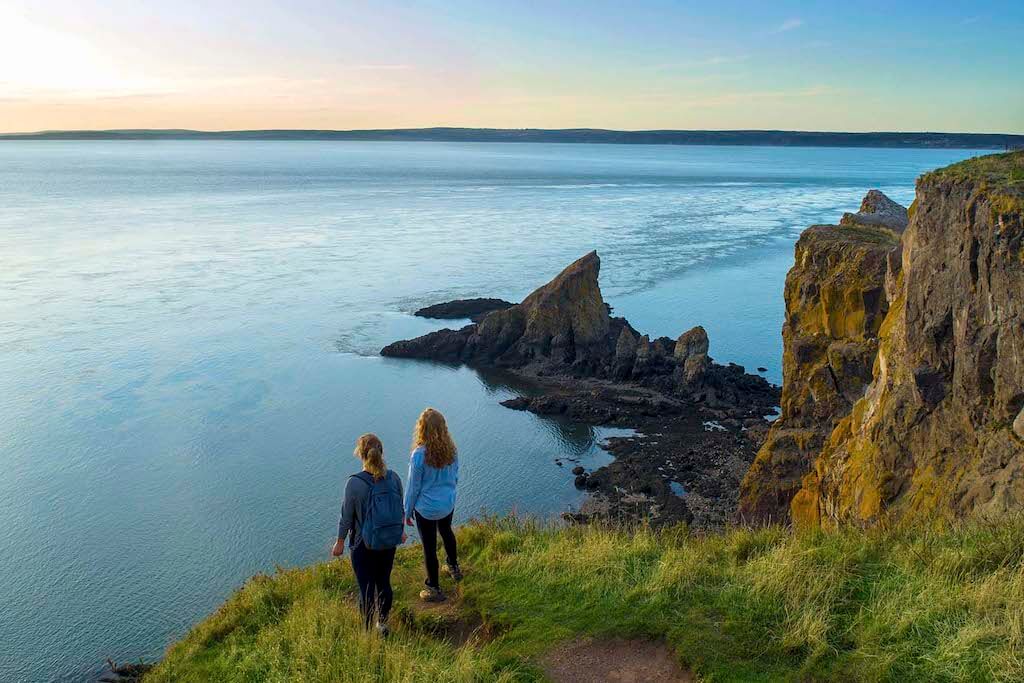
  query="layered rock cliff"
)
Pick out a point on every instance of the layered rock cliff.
point(835, 304)
point(938, 431)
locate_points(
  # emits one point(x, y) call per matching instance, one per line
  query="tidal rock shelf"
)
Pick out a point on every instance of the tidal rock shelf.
point(594, 368)
point(474, 309)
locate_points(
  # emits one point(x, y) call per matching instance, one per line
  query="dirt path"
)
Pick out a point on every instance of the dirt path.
point(615, 661)
point(448, 621)
point(581, 661)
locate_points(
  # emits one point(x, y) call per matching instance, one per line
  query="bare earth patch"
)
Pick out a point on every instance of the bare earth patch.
point(448, 621)
point(615, 661)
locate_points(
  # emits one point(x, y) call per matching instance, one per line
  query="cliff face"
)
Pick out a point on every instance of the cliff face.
point(939, 432)
point(835, 304)
point(903, 392)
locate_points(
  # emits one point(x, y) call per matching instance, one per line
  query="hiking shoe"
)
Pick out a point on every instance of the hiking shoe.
point(454, 572)
point(431, 594)
point(382, 629)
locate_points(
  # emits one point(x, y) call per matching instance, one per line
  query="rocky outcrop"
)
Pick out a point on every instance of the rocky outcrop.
point(691, 354)
point(565, 322)
point(934, 435)
point(474, 309)
point(565, 328)
point(835, 304)
point(877, 210)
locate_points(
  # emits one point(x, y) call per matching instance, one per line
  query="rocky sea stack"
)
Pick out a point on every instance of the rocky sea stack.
point(565, 329)
point(936, 429)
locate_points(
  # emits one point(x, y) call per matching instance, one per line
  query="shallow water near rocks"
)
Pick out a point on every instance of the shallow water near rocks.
point(188, 339)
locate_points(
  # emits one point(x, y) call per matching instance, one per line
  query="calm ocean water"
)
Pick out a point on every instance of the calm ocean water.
point(188, 338)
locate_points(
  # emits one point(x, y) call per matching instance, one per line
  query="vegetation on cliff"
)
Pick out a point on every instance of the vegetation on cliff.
point(746, 605)
point(1004, 171)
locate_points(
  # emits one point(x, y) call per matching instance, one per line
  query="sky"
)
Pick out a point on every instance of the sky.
point(730, 64)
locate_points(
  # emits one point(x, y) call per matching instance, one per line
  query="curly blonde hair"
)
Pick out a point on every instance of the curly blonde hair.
point(370, 450)
point(431, 432)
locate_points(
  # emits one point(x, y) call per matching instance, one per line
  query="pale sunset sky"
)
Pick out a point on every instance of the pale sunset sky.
point(219, 65)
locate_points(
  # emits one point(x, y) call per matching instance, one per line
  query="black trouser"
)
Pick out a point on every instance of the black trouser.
point(373, 574)
point(429, 528)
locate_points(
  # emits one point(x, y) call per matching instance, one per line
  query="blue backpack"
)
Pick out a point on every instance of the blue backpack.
point(382, 520)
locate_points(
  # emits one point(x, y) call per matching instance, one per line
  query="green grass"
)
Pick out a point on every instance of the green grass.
point(1001, 172)
point(747, 605)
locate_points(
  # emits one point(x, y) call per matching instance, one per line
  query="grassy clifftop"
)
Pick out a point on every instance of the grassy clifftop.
point(747, 605)
point(999, 169)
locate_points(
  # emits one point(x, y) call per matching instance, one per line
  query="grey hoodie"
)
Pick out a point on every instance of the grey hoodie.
point(351, 521)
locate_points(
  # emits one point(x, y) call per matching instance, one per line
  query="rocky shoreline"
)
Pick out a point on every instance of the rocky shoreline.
point(684, 463)
point(698, 424)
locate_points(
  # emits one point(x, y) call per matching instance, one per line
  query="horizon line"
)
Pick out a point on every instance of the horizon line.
point(229, 131)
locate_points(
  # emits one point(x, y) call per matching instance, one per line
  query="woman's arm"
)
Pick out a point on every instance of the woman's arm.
point(401, 495)
point(345, 521)
point(401, 491)
point(415, 481)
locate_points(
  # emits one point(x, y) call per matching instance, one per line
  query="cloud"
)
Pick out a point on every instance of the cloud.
point(788, 25)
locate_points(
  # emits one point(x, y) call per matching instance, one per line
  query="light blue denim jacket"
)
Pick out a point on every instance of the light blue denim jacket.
point(430, 490)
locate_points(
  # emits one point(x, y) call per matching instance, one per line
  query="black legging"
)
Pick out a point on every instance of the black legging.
point(373, 574)
point(429, 528)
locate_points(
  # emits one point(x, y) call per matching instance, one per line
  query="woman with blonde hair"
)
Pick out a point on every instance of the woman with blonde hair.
point(430, 499)
point(371, 516)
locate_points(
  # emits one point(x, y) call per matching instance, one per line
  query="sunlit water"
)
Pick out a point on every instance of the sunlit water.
point(188, 338)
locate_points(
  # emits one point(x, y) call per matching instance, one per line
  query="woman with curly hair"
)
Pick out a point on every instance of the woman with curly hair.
point(430, 497)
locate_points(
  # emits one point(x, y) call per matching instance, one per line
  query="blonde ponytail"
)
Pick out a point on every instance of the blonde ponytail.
point(370, 450)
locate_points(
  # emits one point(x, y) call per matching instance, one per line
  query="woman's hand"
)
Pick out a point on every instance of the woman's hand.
point(339, 548)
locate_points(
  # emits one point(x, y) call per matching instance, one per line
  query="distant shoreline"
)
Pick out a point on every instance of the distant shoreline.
point(747, 138)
